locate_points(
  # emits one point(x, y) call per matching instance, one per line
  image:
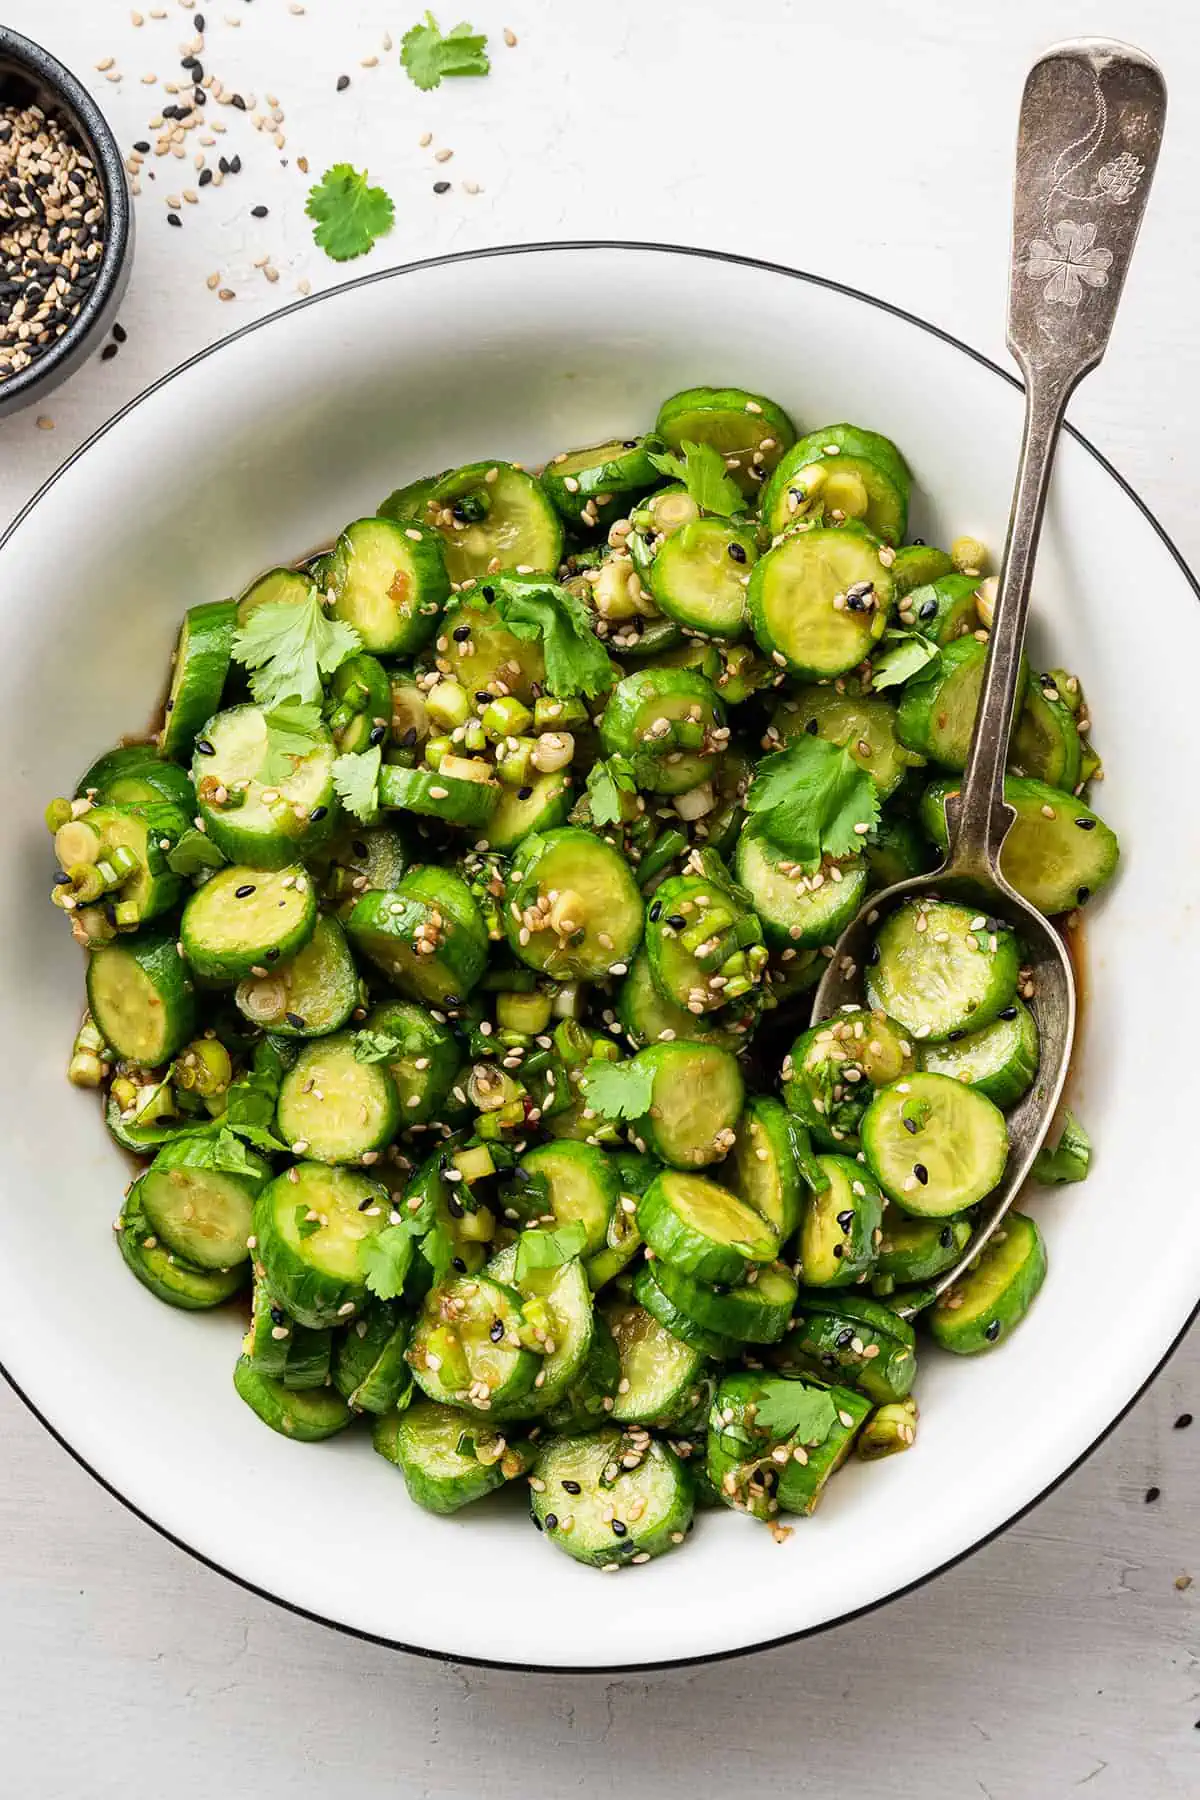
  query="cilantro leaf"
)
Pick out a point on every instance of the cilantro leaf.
point(293, 731)
point(250, 1101)
point(702, 471)
point(192, 852)
point(548, 1249)
point(1069, 1160)
point(437, 1247)
point(910, 652)
point(576, 661)
point(609, 782)
point(349, 214)
point(790, 1409)
point(618, 1090)
point(356, 778)
point(304, 1225)
point(810, 799)
point(219, 1149)
point(289, 646)
point(429, 57)
point(386, 1259)
point(379, 1046)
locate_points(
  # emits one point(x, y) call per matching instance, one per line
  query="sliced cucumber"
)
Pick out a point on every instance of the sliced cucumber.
point(202, 659)
point(589, 1398)
point(999, 1287)
point(1059, 852)
point(705, 947)
point(266, 824)
point(359, 708)
point(591, 487)
point(936, 714)
point(389, 582)
point(362, 859)
point(561, 1300)
point(469, 1345)
point(862, 724)
point(203, 1215)
point(696, 1101)
point(308, 1415)
point(278, 587)
point(1000, 1060)
point(660, 1377)
point(426, 934)
point(120, 853)
point(439, 795)
point(656, 518)
point(243, 920)
point(756, 1312)
point(309, 995)
point(763, 1470)
point(833, 1069)
point(1046, 743)
point(567, 1180)
point(421, 1056)
point(489, 659)
point(648, 1018)
point(408, 502)
point(370, 1369)
point(934, 1146)
point(494, 517)
point(764, 1168)
point(167, 1276)
point(890, 1429)
point(917, 1250)
point(141, 997)
point(447, 1459)
point(874, 1354)
point(700, 576)
point(310, 1226)
point(334, 1108)
point(841, 472)
point(918, 565)
point(798, 909)
point(574, 910)
point(669, 723)
point(839, 1239)
point(648, 1293)
point(942, 968)
point(276, 1346)
point(895, 850)
point(135, 775)
point(591, 1503)
point(942, 608)
point(702, 1228)
point(750, 431)
point(819, 601)
point(541, 804)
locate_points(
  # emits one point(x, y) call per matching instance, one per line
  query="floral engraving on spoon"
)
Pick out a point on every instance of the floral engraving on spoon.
point(1073, 260)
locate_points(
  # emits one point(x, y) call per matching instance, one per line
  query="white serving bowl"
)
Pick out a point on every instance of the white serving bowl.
point(253, 453)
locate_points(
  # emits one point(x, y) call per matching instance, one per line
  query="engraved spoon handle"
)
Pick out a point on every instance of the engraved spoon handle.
point(1091, 124)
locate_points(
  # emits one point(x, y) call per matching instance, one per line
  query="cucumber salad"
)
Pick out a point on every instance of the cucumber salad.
point(448, 956)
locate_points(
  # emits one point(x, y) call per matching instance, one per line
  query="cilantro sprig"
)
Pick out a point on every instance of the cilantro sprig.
point(288, 647)
point(356, 778)
point(618, 1090)
point(548, 1249)
point(538, 609)
point(429, 57)
point(812, 800)
point(349, 214)
point(791, 1410)
point(702, 471)
point(611, 790)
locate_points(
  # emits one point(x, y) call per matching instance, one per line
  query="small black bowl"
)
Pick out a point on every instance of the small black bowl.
point(30, 74)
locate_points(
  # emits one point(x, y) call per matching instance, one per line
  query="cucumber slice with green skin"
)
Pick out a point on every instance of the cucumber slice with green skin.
point(942, 609)
point(940, 968)
point(894, 851)
point(750, 431)
point(469, 1346)
point(659, 1381)
point(574, 910)
point(1046, 744)
point(918, 565)
point(264, 824)
point(409, 502)
point(839, 1239)
point(832, 1071)
point(372, 1371)
point(542, 804)
point(999, 1061)
point(864, 726)
point(203, 1215)
point(934, 1146)
point(362, 860)
point(999, 1287)
point(607, 475)
point(167, 1276)
point(359, 707)
point(648, 1018)
point(703, 1229)
point(622, 1241)
point(764, 1472)
point(389, 582)
point(278, 587)
point(149, 833)
point(563, 1181)
point(446, 1458)
point(798, 909)
point(307, 1415)
point(696, 1101)
point(135, 775)
point(334, 1108)
point(819, 601)
point(202, 659)
point(313, 1265)
point(705, 949)
point(561, 1299)
point(836, 1346)
point(757, 1312)
point(936, 714)
point(1058, 854)
point(671, 726)
point(426, 934)
point(141, 997)
point(583, 1405)
point(714, 1345)
point(655, 519)
point(764, 1167)
point(279, 1348)
point(844, 473)
point(439, 796)
point(508, 519)
point(890, 1429)
point(916, 1250)
point(699, 577)
point(243, 920)
point(309, 995)
point(489, 653)
point(310, 1359)
point(424, 1059)
point(603, 1513)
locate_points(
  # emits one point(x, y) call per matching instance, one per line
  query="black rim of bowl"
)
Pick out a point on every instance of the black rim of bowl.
point(576, 247)
point(21, 57)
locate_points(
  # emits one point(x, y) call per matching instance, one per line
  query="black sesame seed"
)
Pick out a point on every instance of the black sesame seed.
point(120, 333)
point(497, 1330)
point(921, 1173)
point(244, 892)
point(952, 1037)
point(489, 593)
point(258, 212)
point(656, 912)
point(142, 147)
point(845, 1338)
point(1086, 824)
point(620, 1529)
point(572, 1487)
point(461, 633)
point(455, 1207)
point(363, 1204)
point(482, 697)
point(343, 82)
point(378, 733)
point(910, 1125)
point(1152, 1494)
point(1082, 894)
point(551, 1521)
point(452, 1000)
point(108, 352)
point(273, 953)
point(812, 728)
point(174, 219)
point(236, 100)
point(839, 1250)
point(630, 444)
point(676, 921)
point(235, 162)
point(278, 1316)
point(318, 812)
point(1183, 1421)
point(409, 738)
point(524, 793)
point(846, 1219)
point(992, 1331)
point(927, 609)
point(441, 187)
point(458, 1264)
point(61, 880)
point(359, 848)
point(295, 1021)
point(223, 164)
point(738, 552)
point(198, 22)
point(1010, 1012)
point(946, 1237)
point(204, 748)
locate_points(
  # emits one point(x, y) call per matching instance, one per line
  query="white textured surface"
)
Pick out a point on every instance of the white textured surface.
point(1060, 1655)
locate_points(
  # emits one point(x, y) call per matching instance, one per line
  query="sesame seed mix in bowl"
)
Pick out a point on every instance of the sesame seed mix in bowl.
point(448, 953)
point(51, 232)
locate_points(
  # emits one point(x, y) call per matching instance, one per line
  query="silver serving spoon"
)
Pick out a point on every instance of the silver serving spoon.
point(1090, 128)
